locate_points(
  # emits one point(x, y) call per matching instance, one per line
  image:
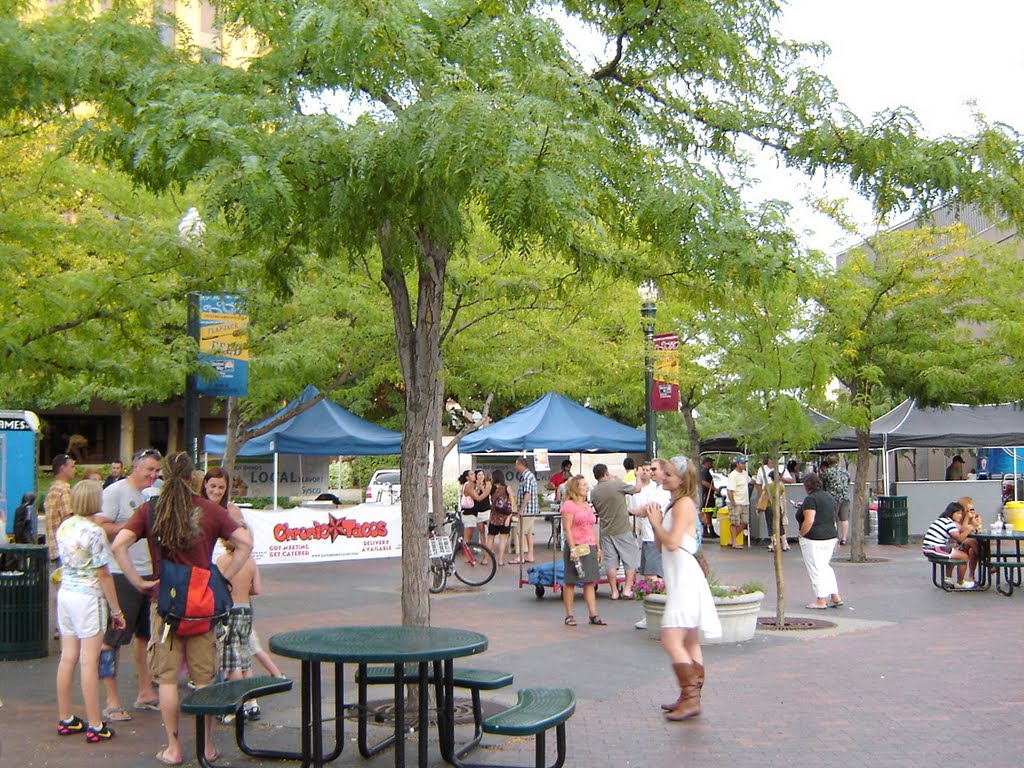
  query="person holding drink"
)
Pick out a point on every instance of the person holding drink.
point(582, 551)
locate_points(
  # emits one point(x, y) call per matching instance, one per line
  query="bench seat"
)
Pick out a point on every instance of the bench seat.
point(228, 698)
point(536, 712)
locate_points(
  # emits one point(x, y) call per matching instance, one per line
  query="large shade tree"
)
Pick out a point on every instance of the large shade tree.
point(472, 108)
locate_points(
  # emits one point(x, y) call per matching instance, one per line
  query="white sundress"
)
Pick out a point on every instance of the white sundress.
point(689, 603)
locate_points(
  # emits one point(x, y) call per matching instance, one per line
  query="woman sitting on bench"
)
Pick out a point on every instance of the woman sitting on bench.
point(949, 536)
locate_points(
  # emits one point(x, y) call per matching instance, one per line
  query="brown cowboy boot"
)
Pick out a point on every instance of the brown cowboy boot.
point(677, 668)
point(690, 705)
point(700, 684)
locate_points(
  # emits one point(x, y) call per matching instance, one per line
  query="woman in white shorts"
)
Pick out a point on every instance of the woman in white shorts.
point(86, 589)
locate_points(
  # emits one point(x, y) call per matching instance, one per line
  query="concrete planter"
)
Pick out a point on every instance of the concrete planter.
point(738, 614)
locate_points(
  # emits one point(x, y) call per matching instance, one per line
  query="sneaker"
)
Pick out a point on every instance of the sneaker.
point(252, 711)
point(96, 735)
point(68, 727)
point(966, 585)
point(949, 581)
point(229, 719)
point(642, 624)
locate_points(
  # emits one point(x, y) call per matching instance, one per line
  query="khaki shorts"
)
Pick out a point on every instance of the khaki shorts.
point(739, 514)
point(526, 523)
point(200, 652)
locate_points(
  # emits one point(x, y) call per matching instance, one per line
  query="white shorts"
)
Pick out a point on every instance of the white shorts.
point(81, 615)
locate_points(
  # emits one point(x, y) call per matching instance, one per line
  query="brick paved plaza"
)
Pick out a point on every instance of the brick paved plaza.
point(910, 676)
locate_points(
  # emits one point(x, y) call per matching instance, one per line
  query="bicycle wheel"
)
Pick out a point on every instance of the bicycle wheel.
point(474, 564)
point(438, 577)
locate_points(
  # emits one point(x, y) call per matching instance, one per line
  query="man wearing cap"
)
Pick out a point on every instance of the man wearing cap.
point(955, 470)
point(738, 488)
point(120, 500)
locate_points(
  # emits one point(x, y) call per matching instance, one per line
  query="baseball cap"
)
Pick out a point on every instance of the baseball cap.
point(740, 459)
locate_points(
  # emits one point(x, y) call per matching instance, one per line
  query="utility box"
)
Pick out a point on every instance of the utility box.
point(19, 451)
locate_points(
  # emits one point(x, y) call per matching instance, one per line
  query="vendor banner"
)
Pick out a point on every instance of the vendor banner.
point(665, 393)
point(316, 533)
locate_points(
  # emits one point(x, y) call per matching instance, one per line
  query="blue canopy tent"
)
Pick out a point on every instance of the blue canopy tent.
point(324, 429)
point(558, 424)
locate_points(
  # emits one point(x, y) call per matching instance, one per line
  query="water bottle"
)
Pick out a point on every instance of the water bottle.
point(579, 567)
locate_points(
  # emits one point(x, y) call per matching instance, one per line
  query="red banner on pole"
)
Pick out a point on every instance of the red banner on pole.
point(665, 393)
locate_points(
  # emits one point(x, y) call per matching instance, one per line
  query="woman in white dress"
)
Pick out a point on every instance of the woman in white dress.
point(689, 607)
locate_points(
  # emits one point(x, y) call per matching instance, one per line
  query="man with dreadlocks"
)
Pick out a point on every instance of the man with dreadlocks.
point(183, 530)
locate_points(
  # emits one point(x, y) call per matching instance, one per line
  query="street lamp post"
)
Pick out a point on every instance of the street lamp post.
point(648, 293)
point(191, 230)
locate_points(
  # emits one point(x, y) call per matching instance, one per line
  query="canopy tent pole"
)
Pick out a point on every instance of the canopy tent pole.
point(277, 473)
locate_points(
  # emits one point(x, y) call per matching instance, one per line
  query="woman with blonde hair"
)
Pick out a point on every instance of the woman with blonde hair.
point(689, 608)
point(581, 554)
point(86, 595)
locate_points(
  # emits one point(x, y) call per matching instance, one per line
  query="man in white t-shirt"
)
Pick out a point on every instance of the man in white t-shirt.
point(120, 500)
point(738, 488)
point(650, 491)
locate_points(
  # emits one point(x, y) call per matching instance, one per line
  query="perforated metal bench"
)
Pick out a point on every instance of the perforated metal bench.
point(537, 711)
point(939, 563)
point(228, 698)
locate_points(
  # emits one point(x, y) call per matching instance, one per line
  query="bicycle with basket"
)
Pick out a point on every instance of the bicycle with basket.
point(471, 562)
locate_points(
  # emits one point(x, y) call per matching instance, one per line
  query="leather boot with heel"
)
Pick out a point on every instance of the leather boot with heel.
point(690, 683)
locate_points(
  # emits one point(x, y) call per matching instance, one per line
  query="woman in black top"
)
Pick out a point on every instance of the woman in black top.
point(818, 536)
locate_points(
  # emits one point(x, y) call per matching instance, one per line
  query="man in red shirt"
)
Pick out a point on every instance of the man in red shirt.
point(183, 530)
point(557, 481)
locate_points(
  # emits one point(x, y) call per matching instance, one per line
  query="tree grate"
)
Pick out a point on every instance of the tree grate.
point(793, 624)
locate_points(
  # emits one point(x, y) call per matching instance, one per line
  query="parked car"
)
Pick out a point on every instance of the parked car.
point(385, 486)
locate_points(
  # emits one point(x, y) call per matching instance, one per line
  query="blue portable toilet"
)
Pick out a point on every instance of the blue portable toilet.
point(19, 436)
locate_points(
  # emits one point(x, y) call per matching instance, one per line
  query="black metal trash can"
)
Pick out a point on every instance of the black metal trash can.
point(24, 601)
point(892, 520)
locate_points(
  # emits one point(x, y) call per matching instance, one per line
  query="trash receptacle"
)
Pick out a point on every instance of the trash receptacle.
point(24, 601)
point(892, 520)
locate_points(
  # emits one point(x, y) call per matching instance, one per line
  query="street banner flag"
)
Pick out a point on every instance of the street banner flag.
point(665, 393)
point(223, 345)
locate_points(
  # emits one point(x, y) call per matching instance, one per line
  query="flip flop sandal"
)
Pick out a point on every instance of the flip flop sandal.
point(117, 714)
point(835, 604)
point(598, 621)
point(166, 760)
point(147, 706)
point(816, 607)
point(570, 621)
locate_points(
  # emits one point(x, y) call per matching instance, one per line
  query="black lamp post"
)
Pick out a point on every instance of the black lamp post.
point(192, 230)
point(648, 293)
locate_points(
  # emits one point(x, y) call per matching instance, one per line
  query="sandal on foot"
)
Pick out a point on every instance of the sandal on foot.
point(96, 735)
point(161, 757)
point(570, 621)
point(147, 706)
point(834, 603)
point(816, 607)
point(624, 596)
point(598, 621)
point(116, 714)
point(69, 727)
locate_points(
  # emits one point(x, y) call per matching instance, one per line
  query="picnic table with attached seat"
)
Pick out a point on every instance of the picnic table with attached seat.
point(1002, 564)
point(398, 645)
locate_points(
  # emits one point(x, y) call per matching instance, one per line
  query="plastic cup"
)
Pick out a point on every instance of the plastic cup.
point(1008, 528)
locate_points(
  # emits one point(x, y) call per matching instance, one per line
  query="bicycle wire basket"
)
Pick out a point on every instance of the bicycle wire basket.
point(440, 547)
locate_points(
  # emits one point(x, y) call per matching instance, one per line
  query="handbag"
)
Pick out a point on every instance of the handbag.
point(762, 501)
point(192, 599)
point(467, 502)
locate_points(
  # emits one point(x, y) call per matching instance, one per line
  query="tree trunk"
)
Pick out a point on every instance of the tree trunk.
point(417, 332)
point(858, 541)
point(777, 512)
point(232, 441)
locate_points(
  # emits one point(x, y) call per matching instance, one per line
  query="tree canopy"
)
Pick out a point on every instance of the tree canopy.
point(399, 127)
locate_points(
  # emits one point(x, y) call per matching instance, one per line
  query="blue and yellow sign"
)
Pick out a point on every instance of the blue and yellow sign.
point(224, 345)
